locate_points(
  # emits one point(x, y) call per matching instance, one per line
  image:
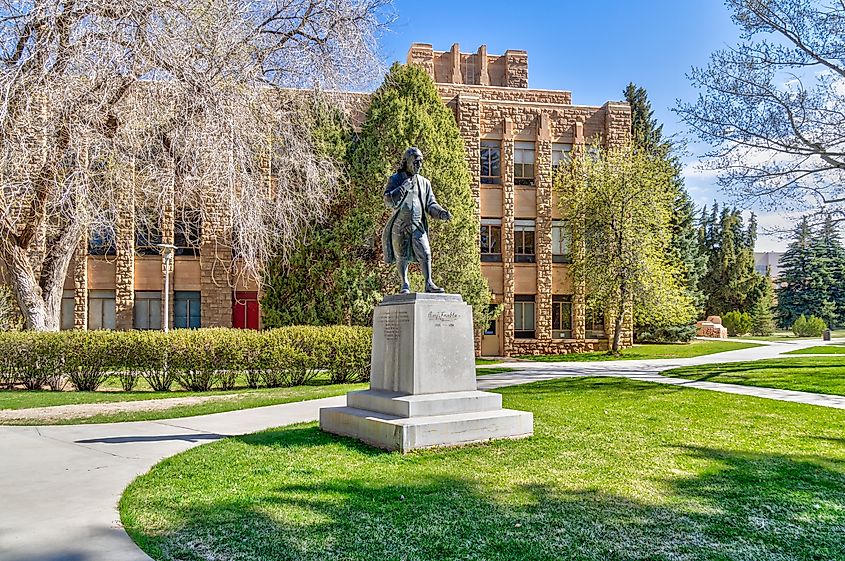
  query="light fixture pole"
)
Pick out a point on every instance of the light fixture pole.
point(167, 259)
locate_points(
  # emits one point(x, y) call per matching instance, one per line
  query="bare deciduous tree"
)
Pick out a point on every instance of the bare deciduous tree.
point(773, 107)
point(175, 104)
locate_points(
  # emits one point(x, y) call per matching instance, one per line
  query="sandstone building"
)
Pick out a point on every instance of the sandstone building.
point(514, 137)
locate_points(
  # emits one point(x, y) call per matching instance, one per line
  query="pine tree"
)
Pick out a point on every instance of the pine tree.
point(762, 319)
point(795, 291)
point(830, 255)
point(684, 246)
point(731, 283)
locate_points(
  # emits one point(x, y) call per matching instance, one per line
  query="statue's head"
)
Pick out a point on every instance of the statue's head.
point(412, 161)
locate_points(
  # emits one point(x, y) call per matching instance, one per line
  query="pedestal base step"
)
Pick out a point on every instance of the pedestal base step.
point(424, 405)
point(391, 432)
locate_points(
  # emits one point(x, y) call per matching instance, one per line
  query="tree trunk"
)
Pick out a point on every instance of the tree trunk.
point(40, 302)
point(619, 319)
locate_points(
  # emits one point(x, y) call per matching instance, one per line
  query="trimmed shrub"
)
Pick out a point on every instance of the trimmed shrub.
point(667, 334)
point(737, 323)
point(808, 326)
point(89, 356)
point(196, 359)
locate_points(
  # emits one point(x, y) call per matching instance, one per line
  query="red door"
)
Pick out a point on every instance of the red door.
point(245, 310)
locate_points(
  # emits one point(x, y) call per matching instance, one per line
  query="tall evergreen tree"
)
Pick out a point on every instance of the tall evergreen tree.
point(731, 283)
point(812, 276)
point(795, 293)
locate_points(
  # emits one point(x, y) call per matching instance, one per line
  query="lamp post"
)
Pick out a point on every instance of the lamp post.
point(167, 259)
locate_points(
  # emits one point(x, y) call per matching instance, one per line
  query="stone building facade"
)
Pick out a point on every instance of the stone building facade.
point(514, 136)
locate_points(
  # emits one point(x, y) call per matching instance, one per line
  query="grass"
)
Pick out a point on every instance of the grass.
point(481, 361)
point(820, 350)
point(650, 351)
point(245, 398)
point(494, 370)
point(809, 374)
point(789, 335)
point(617, 470)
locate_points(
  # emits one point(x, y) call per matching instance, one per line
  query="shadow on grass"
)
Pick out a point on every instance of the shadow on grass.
point(743, 506)
point(739, 369)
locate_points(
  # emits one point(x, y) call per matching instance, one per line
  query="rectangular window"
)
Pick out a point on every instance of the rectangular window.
point(562, 316)
point(561, 153)
point(101, 241)
point(491, 327)
point(147, 233)
point(68, 309)
point(523, 312)
point(523, 163)
point(186, 309)
point(594, 321)
point(561, 242)
point(187, 232)
point(101, 309)
point(147, 310)
point(523, 241)
point(491, 239)
point(491, 161)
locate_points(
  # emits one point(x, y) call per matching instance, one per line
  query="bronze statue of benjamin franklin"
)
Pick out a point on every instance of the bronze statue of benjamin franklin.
point(405, 238)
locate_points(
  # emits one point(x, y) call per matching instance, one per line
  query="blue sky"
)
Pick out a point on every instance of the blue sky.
point(590, 48)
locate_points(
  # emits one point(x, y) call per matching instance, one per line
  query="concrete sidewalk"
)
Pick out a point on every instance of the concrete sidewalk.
point(60, 485)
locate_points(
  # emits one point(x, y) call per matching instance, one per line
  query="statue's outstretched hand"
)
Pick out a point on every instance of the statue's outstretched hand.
point(445, 214)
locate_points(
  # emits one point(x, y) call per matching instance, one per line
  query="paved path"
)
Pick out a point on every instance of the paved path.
point(59, 485)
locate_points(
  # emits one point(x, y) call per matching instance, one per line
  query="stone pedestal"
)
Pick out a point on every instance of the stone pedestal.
point(422, 382)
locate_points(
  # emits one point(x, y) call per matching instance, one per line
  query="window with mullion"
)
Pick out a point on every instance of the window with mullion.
point(523, 163)
point(147, 233)
point(561, 242)
point(491, 239)
point(562, 316)
point(523, 241)
point(491, 162)
point(594, 321)
point(561, 153)
point(187, 232)
point(523, 313)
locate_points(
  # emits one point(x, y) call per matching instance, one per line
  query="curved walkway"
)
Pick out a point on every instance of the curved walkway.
point(59, 485)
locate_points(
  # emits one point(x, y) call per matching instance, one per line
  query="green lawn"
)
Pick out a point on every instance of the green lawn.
point(789, 335)
point(245, 398)
point(809, 374)
point(820, 350)
point(493, 370)
point(617, 470)
point(650, 351)
point(481, 361)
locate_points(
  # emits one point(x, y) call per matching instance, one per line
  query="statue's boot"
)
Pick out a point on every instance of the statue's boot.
point(425, 265)
point(403, 277)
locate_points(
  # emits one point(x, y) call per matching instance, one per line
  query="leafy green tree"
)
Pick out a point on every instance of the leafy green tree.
point(622, 198)
point(647, 135)
point(737, 323)
point(811, 326)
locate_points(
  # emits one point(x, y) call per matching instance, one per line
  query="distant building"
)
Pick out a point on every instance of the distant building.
point(768, 260)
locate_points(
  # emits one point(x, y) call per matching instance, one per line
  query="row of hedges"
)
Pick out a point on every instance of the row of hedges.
point(197, 360)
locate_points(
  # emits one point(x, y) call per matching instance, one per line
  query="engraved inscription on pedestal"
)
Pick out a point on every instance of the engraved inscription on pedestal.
point(392, 322)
